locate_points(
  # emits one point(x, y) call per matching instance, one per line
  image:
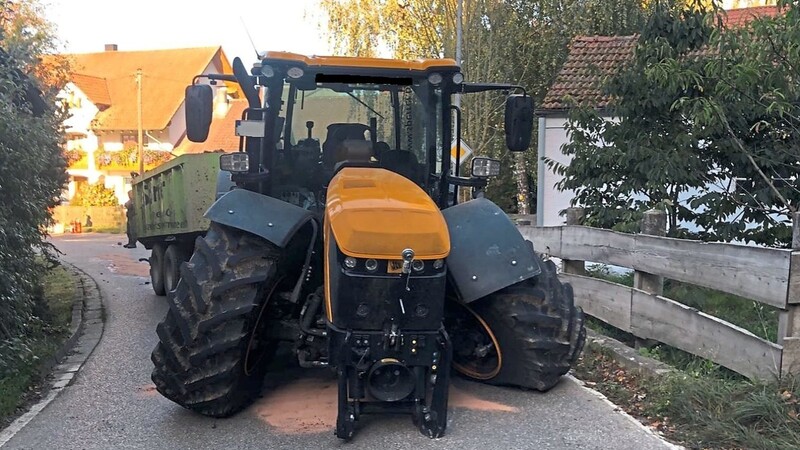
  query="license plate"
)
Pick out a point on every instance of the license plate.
point(395, 267)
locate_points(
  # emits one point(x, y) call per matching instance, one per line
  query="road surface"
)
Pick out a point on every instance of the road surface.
point(112, 403)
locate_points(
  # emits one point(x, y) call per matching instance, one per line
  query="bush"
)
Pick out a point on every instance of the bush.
point(32, 174)
point(95, 195)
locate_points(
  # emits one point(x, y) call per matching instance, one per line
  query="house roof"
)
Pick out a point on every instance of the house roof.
point(221, 135)
point(738, 17)
point(110, 77)
point(95, 88)
point(592, 59)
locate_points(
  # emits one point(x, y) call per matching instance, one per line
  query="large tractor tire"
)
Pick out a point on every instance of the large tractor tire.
point(528, 334)
point(210, 357)
point(173, 258)
point(157, 269)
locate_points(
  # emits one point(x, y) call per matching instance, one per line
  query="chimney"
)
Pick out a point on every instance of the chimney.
point(111, 47)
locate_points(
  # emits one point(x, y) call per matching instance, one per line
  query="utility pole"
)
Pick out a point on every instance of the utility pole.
point(139, 120)
point(459, 17)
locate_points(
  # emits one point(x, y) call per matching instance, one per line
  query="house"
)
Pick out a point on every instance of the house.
point(103, 96)
point(591, 60)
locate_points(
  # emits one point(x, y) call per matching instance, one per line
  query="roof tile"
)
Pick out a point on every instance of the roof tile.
point(591, 59)
point(165, 75)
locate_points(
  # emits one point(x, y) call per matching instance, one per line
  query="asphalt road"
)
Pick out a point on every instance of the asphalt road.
point(112, 403)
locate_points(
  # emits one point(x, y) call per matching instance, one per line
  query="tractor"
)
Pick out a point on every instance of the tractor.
point(344, 237)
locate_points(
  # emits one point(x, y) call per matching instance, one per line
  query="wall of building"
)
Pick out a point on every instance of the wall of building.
point(550, 201)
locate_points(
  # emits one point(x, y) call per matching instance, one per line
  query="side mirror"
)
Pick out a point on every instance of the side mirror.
point(519, 122)
point(199, 108)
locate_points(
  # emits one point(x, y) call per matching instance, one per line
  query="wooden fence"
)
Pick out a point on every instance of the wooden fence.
point(766, 275)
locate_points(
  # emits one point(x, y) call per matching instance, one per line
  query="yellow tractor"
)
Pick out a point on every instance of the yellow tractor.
point(343, 236)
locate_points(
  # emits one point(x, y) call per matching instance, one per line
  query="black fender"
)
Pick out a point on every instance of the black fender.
point(487, 252)
point(224, 183)
point(272, 219)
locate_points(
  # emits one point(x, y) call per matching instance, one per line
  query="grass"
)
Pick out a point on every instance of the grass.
point(702, 405)
point(702, 411)
point(759, 319)
point(58, 294)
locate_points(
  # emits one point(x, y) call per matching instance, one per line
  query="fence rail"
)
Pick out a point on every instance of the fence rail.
point(757, 273)
point(770, 276)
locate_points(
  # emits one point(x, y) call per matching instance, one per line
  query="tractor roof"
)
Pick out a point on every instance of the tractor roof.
point(320, 62)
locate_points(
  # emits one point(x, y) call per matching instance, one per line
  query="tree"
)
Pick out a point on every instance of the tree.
point(518, 41)
point(32, 173)
point(743, 103)
point(646, 158)
point(706, 129)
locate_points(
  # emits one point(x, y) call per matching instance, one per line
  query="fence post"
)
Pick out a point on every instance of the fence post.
point(575, 216)
point(653, 223)
point(789, 321)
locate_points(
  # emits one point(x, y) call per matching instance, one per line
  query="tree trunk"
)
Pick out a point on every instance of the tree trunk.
point(523, 204)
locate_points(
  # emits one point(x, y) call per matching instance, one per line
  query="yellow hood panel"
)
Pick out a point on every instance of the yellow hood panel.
point(376, 213)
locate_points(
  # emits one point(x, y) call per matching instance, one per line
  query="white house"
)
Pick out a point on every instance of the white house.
point(103, 99)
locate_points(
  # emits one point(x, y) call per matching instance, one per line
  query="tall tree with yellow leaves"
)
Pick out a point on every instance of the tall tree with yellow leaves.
point(518, 41)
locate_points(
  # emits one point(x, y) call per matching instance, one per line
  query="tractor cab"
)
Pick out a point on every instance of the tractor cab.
point(308, 117)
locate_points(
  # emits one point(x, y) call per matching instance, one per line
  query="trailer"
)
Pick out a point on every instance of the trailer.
point(167, 212)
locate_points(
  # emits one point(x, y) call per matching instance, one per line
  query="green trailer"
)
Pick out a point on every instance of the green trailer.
point(167, 212)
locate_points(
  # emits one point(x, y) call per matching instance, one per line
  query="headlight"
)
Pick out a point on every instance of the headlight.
point(371, 265)
point(267, 71)
point(485, 167)
point(458, 78)
point(435, 78)
point(418, 265)
point(294, 72)
point(350, 262)
point(438, 264)
point(235, 162)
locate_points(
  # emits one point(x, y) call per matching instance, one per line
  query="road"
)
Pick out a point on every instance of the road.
point(113, 404)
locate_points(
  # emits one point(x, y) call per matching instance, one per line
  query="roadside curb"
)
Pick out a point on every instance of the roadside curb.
point(86, 329)
point(625, 356)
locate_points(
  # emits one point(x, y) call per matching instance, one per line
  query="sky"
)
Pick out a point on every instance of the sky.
point(285, 25)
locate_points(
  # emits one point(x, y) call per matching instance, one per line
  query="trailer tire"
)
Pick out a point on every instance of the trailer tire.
point(538, 328)
point(205, 360)
point(157, 269)
point(173, 258)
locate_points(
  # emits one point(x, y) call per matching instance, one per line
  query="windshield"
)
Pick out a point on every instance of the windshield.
point(396, 127)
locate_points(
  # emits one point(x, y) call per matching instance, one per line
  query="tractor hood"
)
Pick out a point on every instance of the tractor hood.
point(376, 213)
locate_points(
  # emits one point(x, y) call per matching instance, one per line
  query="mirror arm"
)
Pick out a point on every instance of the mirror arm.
point(215, 77)
point(470, 88)
point(473, 182)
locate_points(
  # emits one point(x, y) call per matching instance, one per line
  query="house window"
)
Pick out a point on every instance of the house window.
point(132, 137)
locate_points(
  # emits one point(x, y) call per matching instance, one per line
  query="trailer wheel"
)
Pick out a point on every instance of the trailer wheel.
point(528, 334)
point(173, 257)
point(157, 269)
point(211, 356)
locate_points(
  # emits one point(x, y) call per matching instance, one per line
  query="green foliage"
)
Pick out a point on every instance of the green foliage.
point(32, 173)
point(95, 195)
point(55, 310)
point(743, 102)
point(708, 129)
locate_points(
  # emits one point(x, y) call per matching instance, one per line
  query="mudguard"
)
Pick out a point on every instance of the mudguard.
point(264, 216)
point(487, 252)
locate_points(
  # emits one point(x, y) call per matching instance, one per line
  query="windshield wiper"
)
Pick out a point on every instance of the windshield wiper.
point(366, 105)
